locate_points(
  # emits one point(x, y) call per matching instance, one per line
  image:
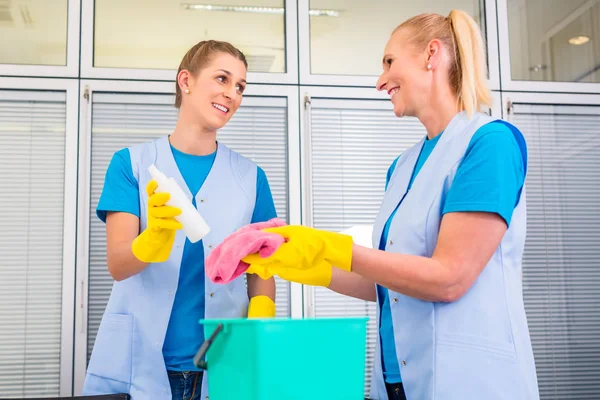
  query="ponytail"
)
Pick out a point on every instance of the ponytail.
point(473, 91)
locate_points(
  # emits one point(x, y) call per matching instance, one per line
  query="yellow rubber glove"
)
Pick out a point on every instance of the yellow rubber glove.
point(319, 275)
point(261, 307)
point(154, 244)
point(307, 248)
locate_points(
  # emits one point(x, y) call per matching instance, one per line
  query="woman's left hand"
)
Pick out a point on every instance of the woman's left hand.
point(319, 275)
point(307, 248)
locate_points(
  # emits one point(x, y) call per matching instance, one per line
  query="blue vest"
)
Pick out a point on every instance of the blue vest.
point(127, 355)
point(479, 346)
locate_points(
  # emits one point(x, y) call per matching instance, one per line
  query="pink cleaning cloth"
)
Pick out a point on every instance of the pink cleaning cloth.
point(224, 263)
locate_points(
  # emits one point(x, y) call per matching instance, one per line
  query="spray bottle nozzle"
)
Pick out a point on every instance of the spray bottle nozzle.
point(158, 176)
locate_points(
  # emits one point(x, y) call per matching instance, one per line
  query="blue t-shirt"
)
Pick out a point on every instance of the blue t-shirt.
point(121, 194)
point(489, 179)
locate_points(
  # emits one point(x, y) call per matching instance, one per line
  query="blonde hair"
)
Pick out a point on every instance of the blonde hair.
point(461, 35)
point(199, 55)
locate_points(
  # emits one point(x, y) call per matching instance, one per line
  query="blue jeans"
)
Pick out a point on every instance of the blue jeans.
point(185, 385)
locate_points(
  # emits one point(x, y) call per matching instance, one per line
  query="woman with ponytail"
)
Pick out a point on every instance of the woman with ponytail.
point(445, 268)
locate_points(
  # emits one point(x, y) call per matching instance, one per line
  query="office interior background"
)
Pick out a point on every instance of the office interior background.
point(80, 79)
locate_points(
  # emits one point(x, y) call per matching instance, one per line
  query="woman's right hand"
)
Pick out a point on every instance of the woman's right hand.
point(154, 244)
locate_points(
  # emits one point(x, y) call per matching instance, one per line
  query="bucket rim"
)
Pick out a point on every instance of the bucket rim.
point(245, 321)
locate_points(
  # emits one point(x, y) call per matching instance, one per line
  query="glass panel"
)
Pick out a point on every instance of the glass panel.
point(37, 30)
point(348, 38)
point(32, 143)
point(155, 34)
point(554, 40)
point(560, 262)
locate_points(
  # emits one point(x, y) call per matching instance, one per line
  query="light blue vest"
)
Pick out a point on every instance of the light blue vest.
point(479, 346)
point(127, 356)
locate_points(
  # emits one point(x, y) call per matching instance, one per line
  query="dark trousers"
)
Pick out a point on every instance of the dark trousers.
point(395, 391)
point(185, 385)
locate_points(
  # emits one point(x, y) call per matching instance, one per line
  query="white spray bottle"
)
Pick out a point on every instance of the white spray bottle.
point(194, 226)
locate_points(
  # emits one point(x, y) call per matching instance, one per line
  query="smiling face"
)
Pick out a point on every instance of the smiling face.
point(215, 91)
point(406, 77)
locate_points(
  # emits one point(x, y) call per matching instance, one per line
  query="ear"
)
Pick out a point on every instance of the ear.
point(184, 79)
point(433, 54)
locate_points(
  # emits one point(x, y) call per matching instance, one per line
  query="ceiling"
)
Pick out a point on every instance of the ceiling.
point(156, 33)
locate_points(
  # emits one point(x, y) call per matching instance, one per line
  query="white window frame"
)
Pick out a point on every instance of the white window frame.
point(70, 87)
point(569, 99)
point(496, 108)
point(89, 71)
point(71, 70)
point(308, 78)
point(508, 84)
point(87, 88)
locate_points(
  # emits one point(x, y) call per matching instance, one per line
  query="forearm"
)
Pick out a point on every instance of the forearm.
point(260, 287)
point(353, 285)
point(122, 264)
point(420, 277)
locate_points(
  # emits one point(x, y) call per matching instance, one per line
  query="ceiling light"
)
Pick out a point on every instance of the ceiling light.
point(250, 9)
point(538, 68)
point(323, 13)
point(578, 40)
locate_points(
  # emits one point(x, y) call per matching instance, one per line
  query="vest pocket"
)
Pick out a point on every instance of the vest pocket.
point(111, 357)
point(503, 350)
point(473, 367)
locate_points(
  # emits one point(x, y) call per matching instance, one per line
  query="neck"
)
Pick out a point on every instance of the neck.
point(440, 110)
point(192, 137)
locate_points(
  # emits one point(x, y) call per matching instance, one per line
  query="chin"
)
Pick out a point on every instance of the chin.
point(399, 112)
point(399, 108)
point(219, 123)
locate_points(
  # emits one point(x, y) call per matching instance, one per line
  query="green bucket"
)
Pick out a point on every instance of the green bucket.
point(284, 359)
